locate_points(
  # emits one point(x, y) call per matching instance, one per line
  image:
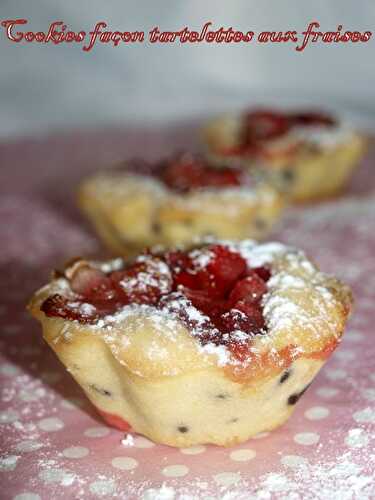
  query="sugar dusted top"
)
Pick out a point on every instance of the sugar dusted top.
point(186, 172)
point(238, 301)
point(263, 132)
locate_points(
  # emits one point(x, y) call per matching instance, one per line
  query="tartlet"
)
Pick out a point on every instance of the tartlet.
point(176, 201)
point(211, 344)
point(308, 154)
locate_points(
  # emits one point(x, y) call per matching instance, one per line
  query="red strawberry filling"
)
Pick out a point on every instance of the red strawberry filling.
point(186, 172)
point(211, 289)
point(261, 126)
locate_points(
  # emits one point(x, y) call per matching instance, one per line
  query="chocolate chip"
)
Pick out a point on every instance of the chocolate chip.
point(260, 223)
point(156, 227)
point(292, 400)
point(100, 390)
point(183, 429)
point(284, 377)
point(288, 175)
point(222, 396)
point(232, 420)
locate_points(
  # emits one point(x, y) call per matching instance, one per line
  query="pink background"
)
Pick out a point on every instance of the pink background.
point(54, 446)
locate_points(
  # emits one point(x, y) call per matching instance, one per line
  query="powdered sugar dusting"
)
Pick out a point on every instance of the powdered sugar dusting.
point(292, 275)
point(327, 137)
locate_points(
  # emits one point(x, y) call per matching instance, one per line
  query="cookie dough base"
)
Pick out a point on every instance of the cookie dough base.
point(321, 175)
point(197, 407)
point(307, 176)
point(212, 409)
point(129, 223)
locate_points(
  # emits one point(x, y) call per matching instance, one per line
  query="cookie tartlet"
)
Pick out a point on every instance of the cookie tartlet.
point(211, 344)
point(308, 154)
point(175, 201)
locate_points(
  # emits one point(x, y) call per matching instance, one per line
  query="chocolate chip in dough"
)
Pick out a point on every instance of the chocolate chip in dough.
point(284, 377)
point(183, 429)
point(222, 396)
point(100, 390)
point(260, 224)
point(292, 400)
point(288, 175)
point(156, 228)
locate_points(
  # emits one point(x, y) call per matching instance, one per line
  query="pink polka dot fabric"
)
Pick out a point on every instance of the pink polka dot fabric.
point(54, 445)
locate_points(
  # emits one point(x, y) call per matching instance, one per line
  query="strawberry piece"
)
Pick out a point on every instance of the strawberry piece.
point(188, 172)
point(222, 271)
point(263, 125)
point(92, 283)
point(250, 289)
point(145, 281)
point(262, 272)
point(202, 300)
point(253, 311)
point(114, 420)
point(59, 306)
point(182, 269)
point(311, 118)
point(235, 319)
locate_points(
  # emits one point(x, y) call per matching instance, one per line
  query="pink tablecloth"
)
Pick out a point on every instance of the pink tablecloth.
point(53, 445)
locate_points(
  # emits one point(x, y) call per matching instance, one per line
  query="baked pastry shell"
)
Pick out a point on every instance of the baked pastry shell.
point(149, 371)
point(132, 212)
point(311, 174)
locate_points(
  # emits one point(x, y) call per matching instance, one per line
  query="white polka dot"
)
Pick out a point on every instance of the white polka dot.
point(71, 404)
point(142, 442)
point(124, 463)
point(369, 394)
point(227, 478)
point(164, 492)
point(103, 488)
point(335, 374)
point(97, 432)
point(58, 476)
point(51, 377)
point(327, 392)
point(317, 413)
point(306, 438)
point(51, 424)
point(9, 369)
point(27, 496)
point(345, 355)
point(366, 415)
point(8, 463)
point(261, 435)
point(175, 470)
point(242, 455)
point(29, 395)
point(294, 461)
point(275, 482)
point(356, 438)
point(8, 416)
point(193, 450)
point(28, 446)
point(75, 452)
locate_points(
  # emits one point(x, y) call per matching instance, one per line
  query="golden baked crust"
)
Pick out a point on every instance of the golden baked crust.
point(131, 212)
point(319, 167)
point(146, 367)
